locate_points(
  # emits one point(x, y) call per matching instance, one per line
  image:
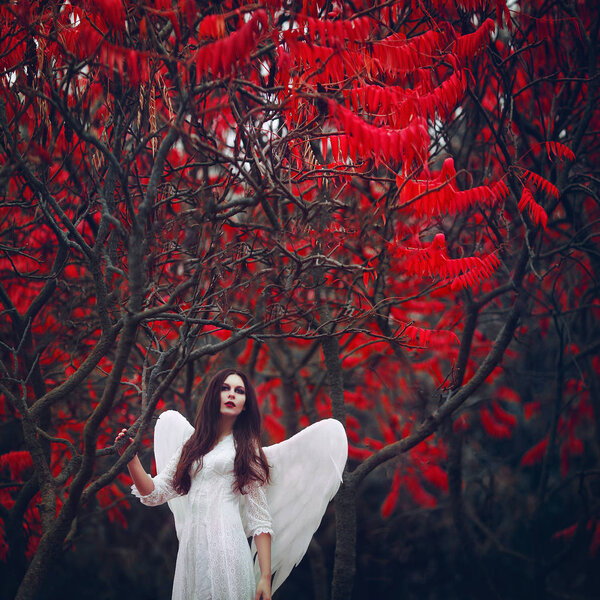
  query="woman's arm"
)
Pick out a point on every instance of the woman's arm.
point(143, 482)
point(259, 526)
point(263, 549)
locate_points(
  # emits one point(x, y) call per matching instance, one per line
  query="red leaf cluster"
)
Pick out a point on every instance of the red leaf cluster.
point(542, 184)
point(433, 261)
point(398, 106)
point(559, 150)
point(592, 526)
point(224, 55)
point(275, 429)
point(335, 33)
point(418, 336)
point(407, 146)
point(17, 462)
point(536, 212)
point(392, 498)
point(493, 426)
point(212, 26)
point(470, 45)
point(113, 13)
point(88, 42)
point(397, 55)
point(439, 195)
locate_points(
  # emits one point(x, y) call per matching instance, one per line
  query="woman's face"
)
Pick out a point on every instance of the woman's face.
point(233, 396)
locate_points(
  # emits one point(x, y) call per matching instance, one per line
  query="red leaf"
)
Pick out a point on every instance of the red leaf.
point(531, 408)
point(17, 462)
point(358, 453)
point(503, 416)
point(567, 533)
point(392, 497)
point(375, 444)
point(535, 454)
point(435, 475)
point(419, 495)
point(470, 45)
point(113, 13)
point(559, 150)
point(366, 276)
point(351, 422)
point(492, 427)
point(500, 190)
point(536, 213)
point(353, 436)
point(461, 424)
point(542, 184)
point(275, 428)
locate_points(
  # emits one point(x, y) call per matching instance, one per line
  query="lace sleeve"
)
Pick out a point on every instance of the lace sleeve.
point(163, 485)
point(257, 517)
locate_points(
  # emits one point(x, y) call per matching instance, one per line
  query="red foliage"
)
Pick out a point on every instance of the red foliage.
point(535, 454)
point(224, 56)
point(436, 476)
point(17, 463)
point(492, 426)
point(468, 46)
point(332, 175)
point(531, 408)
point(592, 525)
point(3, 544)
point(392, 498)
point(536, 213)
point(433, 261)
point(502, 416)
point(542, 184)
point(559, 150)
point(358, 453)
point(417, 492)
point(275, 428)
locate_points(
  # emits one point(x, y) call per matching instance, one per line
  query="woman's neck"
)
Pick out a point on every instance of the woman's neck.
point(225, 427)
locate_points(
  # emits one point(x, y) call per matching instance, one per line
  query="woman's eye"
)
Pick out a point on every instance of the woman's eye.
point(225, 388)
point(240, 391)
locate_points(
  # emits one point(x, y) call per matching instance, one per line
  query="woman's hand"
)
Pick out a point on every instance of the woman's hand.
point(120, 436)
point(263, 589)
point(141, 479)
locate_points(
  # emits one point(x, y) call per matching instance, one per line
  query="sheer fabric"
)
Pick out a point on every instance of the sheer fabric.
point(214, 560)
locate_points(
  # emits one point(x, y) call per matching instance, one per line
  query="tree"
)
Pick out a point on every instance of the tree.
point(377, 210)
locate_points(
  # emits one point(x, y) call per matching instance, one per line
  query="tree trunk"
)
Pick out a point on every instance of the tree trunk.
point(318, 570)
point(47, 553)
point(345, 549)
point(345, 500)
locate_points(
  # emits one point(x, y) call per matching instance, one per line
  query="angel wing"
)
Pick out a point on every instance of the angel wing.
point(306, 472)
point(171, 432)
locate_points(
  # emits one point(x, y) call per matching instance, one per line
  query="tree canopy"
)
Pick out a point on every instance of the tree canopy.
point(385, 212)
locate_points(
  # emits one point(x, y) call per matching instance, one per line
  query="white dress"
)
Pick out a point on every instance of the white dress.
point(214, 561)
point(213, 523)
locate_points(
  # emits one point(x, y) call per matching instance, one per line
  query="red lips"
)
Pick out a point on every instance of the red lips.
point(230, 404)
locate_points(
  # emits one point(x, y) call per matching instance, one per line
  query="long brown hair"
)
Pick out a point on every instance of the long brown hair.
point(250, 463)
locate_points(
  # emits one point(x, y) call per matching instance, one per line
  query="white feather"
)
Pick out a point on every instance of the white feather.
point(171, 432)
point(306, 472)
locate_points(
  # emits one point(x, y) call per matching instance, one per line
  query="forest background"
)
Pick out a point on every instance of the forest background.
point(385, 212)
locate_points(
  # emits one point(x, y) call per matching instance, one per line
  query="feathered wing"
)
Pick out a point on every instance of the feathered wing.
point(171, 432)
point(306, 472)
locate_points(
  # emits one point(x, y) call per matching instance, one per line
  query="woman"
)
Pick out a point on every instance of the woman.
point(221, 461)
